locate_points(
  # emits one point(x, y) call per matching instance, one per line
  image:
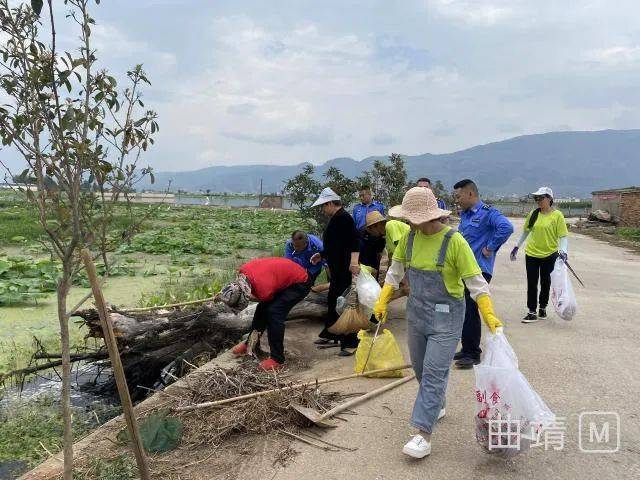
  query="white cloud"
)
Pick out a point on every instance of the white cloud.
point(383, 139)
point(115, 47)
point(310, 136)
point(616, 55)
point(473, 12)
point(298, 94)
point(247, 82)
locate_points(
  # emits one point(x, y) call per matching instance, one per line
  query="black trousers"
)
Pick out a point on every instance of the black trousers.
point(472, 328)
point(272, 315)
point(340, 281)
point(370, 251)
point(539, 269)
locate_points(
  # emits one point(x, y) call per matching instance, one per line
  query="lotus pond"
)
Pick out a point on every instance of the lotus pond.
point(181, 253)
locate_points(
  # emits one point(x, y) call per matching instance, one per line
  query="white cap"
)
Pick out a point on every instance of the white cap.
point(327, 195)
point(543, 191)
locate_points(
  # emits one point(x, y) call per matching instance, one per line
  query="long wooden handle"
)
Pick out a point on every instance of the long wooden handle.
point(309, 383)
point(171, 305)
point(373, 393)
point(116, 364)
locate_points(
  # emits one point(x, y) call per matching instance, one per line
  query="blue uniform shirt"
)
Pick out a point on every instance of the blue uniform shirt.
point(303, 258)
point(360, 212)
point(441, 204)
point(484, 226)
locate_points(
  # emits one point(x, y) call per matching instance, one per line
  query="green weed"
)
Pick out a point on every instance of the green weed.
point(201, 285)
point(278, 250)
point(218, 232)
point(25, 427)
point(18, 219)
point(23, 278)
point(122, 467)
point(629, 233)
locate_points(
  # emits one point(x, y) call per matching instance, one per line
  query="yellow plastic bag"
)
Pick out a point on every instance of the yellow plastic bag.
point(386, 353)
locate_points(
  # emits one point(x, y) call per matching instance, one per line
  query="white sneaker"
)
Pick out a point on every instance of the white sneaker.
point(442, 413)
point(417, 447)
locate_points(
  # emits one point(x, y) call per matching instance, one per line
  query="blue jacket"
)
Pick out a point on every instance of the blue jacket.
point(485, 226)
point(360, 212)
point(304, 258)
point(441, 204)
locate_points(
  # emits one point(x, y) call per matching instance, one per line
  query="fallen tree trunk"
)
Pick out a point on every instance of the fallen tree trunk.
point(149, 342)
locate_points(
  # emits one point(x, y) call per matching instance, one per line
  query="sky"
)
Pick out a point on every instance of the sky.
point(285, 82)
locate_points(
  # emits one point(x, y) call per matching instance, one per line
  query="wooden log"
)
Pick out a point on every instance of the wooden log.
point(154, 328)
point(149, 341)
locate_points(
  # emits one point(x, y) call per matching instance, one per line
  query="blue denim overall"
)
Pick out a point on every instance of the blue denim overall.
point(435, 320)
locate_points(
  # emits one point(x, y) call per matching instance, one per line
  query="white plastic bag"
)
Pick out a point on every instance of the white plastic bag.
point(368, 289)
point(510, 415)
point(562, 296)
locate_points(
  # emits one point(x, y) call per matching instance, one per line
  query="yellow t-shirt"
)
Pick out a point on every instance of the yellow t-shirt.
point(459, 261)
point(394, 229)
point(543, 237)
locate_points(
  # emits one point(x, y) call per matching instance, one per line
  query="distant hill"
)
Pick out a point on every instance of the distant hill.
point(572, 163)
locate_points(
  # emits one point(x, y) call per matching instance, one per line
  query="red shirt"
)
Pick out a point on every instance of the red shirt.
point(271, 275)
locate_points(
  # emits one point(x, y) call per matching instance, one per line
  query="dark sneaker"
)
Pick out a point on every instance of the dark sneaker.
point(346, 352)
point(459, 355)
point(530, 318)
point(542, 313)
point(466, 363)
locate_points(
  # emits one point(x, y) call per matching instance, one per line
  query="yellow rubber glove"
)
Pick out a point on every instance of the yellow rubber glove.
point(485, 305)
point(380, 308)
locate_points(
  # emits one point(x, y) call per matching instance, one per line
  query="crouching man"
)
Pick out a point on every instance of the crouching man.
point(278, 284)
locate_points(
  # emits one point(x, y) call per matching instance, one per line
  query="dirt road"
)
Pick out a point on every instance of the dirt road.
point(589, 364)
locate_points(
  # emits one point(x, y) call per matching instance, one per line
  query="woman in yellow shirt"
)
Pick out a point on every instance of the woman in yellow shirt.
point(545, 231)
point(437, 260)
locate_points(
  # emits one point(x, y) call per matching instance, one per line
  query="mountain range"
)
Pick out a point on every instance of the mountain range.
point(572, 163)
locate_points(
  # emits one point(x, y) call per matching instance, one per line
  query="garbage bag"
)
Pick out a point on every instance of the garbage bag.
point(344, 300)
point(510, 415)
point(159, 432)
point(562, 296)
point(386, 353)
point(351, 320)
point(368, 289)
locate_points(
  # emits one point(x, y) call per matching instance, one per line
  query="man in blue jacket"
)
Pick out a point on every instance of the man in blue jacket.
point(302, 248)
point(486, 229)
point(367, 205)
point(370, 246)
point(426, 183)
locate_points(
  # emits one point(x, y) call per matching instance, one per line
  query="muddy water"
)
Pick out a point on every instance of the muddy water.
point(20, 323)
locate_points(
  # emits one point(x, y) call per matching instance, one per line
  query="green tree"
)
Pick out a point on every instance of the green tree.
point(342, 185)
point(71, 125)
point(388, 180)
point(441, 192)
point(302, 190)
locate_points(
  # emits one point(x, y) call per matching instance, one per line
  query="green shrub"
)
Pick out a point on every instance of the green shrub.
point(629, 233)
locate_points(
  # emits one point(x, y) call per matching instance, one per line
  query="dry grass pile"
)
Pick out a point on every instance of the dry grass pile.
point(261, 415)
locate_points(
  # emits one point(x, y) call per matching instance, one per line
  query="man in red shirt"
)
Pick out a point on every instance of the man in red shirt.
point(278, 284)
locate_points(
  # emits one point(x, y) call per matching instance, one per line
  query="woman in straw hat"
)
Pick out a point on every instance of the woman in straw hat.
point(437, 259)
point(373, 242)
point(391, 231)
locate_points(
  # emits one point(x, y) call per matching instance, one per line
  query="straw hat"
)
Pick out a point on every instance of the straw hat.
point(327, 195)
point(373, 218)
point(419, 205)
